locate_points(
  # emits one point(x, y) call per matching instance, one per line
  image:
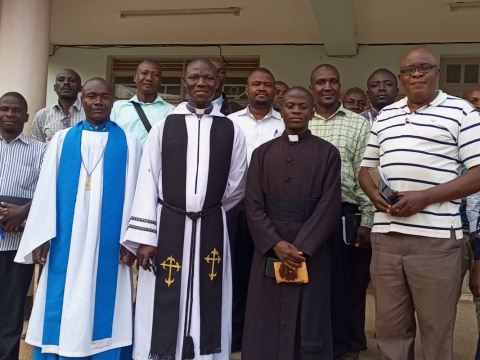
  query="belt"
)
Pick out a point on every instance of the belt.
point(290, 208)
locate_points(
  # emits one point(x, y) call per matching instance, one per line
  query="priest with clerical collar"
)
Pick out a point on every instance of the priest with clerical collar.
point(292, 205)
point(79, 213)
point(192, 171)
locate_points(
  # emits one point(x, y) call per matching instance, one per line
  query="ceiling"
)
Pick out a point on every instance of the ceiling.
point(80, 22)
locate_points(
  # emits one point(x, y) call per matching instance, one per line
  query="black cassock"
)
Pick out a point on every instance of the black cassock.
point(294, 194)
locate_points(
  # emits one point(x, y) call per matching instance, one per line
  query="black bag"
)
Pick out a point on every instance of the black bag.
point(142, 115)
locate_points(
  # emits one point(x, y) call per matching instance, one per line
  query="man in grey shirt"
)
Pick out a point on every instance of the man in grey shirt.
point(68, 111)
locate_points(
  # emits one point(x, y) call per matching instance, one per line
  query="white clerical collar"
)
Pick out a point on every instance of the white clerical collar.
point(293, 138)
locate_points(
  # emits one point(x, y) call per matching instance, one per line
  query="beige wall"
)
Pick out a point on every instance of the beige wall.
point(292, 64)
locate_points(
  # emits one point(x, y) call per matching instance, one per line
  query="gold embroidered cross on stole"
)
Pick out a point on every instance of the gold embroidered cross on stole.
point(213, 257)
point(171, 264)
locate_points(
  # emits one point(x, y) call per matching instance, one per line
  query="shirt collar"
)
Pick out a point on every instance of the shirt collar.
point(182, 109)
point(76, 105)
point(271, 114)
point(219, 101)
point(305, 135)
point(439, 99)
point(98, 128)
point(156, 101)
point(26, 140)
point(340, 109)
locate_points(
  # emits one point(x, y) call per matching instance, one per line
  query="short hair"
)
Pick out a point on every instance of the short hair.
point(148, 61)
point(203, 61)
point(324, 66)
point(301, 89)
point(354, 89)
point(73, 72)
point(103, 81)
point(383, 71)
point(17, 96)
point(261, 70)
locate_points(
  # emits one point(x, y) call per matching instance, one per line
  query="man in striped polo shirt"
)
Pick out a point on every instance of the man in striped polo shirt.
point(419, 142)
point(20, 158)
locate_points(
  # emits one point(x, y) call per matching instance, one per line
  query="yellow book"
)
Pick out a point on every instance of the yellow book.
point(302, 274)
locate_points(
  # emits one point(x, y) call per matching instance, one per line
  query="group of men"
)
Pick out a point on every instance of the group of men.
point(226, 209)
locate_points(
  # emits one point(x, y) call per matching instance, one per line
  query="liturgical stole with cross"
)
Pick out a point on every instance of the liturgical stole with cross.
point(171, 240)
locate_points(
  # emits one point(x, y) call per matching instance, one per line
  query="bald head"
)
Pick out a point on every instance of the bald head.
point(419, 75)
point(421, 54)
point(472, 95)
point(67, 84)
point(201, 82)
point(201, 61)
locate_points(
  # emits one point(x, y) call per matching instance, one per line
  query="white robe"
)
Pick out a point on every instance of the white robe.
point(79, 299)
point(149, 189)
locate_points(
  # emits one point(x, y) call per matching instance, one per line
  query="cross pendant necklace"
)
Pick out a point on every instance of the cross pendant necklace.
point(88, 181)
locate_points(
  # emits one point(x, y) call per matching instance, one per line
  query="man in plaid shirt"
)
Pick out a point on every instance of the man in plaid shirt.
point(349, 132)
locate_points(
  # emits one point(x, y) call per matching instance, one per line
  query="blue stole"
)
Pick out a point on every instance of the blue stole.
point(114, 171)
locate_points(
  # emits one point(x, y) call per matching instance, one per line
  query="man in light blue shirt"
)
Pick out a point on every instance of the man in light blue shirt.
point(148, 79)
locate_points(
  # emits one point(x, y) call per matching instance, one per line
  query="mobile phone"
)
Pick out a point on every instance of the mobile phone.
point(386, 193)
point(152, 266)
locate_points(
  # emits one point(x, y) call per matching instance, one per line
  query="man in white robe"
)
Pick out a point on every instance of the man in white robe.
point(192, 171)
point(80, 211)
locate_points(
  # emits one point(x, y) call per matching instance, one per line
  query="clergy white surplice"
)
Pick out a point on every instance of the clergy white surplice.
point(79, 297)
point(146, 214)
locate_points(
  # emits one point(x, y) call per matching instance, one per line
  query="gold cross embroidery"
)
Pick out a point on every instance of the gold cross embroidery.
point(172, 264)
point(213, 257)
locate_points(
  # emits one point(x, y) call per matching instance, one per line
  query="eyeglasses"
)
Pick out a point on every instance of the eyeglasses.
point(423, 69)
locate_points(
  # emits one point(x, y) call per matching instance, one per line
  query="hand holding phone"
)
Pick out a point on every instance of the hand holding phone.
point(386, 193)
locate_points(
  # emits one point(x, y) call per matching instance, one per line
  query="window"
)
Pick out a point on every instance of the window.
point(238, 69)
point(458, 74)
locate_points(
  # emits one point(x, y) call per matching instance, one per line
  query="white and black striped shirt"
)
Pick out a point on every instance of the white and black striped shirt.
point(422, 149)
point(20, 163)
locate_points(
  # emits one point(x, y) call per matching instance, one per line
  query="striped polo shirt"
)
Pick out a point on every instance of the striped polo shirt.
point(418, 150)
point(20, 163)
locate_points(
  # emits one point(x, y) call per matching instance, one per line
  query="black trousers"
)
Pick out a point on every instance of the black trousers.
point(241, 246)
point(14, 283)
point(350, 277)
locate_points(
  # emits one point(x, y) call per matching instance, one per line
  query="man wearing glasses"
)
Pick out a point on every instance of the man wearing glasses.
point(419, 143)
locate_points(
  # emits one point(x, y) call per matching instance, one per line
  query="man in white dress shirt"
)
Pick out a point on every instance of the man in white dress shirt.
point(192, 171)
point(261, 123)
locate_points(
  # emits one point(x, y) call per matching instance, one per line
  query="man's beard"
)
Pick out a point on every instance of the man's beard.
point(261, 102)
point(67, 97)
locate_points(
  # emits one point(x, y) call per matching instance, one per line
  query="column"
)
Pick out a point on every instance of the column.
point(24, 47)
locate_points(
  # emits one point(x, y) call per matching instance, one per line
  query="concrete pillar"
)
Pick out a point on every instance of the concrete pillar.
point(24, 47)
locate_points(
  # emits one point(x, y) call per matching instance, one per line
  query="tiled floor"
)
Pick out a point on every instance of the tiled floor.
point(466, 335)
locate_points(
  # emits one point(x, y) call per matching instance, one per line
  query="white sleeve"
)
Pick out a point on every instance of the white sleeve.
point(134, 157)
point(235, 191)
point(142, 227)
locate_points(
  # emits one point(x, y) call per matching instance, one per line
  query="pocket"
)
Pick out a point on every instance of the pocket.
point(27, 177)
